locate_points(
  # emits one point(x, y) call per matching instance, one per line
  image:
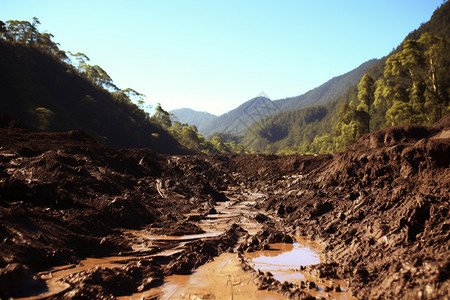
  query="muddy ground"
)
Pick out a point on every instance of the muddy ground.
point(381, 210)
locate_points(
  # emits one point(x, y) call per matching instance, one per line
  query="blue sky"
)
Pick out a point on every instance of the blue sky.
point(214, 55)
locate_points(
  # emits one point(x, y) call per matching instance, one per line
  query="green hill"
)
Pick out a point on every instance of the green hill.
point(39, 87)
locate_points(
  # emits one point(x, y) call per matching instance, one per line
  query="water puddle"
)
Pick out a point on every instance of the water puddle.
point(223, 278)
point(284, 260)
point(53, 276)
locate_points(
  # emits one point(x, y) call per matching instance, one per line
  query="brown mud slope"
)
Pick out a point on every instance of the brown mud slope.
point(64, 195)
point(382, 209)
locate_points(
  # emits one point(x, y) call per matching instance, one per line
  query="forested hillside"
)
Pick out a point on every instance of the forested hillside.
point(51, 89)
point(54, 90)
point(40, 85)
point(282, 132)
point(410, 85)
point(236, 121)
point(327, 91)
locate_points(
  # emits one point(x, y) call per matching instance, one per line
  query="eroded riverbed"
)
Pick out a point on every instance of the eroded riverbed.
point(380, 207)
point(223, 277)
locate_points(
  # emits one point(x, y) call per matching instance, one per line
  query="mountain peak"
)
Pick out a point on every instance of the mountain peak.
point(264, 95)
point(192, 117)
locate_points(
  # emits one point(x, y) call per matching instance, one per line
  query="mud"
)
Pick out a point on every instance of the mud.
point(382, 210)
point(222, 278)
point(289, 262)
point(379, 210)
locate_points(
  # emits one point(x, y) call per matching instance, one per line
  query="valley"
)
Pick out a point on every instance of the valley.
point(82, 220)
point(341, 192)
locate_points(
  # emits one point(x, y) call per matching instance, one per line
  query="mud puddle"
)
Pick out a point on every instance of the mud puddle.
point(53, 277)
point(223, 278)
point(282, 259)
point(285, 260)
point(144, 248)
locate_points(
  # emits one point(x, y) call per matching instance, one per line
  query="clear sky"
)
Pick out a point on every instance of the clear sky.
point(213, 55)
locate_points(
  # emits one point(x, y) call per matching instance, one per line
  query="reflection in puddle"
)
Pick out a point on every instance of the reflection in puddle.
point(284, 260)
point(284, 257)
point(222, 278)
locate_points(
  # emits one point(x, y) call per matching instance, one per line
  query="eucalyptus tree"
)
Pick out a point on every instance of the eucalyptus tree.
point(98, 76)
point(46, 44)
point(135, 96)
point(366, 97)
point(17, 31)
point(162, 117)
point(81, 58)
point(33, 33)
point(412, 85)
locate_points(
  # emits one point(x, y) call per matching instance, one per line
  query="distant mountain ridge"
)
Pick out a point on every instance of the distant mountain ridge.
point(192, 117)
point(240, 119)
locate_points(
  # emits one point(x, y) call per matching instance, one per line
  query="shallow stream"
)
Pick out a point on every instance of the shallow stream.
point(224, 278)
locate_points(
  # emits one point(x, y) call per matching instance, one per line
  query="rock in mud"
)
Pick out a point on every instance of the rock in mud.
point(261, 218)
point(111, 282)
point(199, 252)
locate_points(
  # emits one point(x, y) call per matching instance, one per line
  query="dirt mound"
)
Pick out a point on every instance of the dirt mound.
point(381, 207)
point(256, 171)
point(269, 235)
point(177, 228)
point(443, 124)
point(263, 167)
point(106, 283)
point(14, 278)
point(62, 193)
point(393, 154)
